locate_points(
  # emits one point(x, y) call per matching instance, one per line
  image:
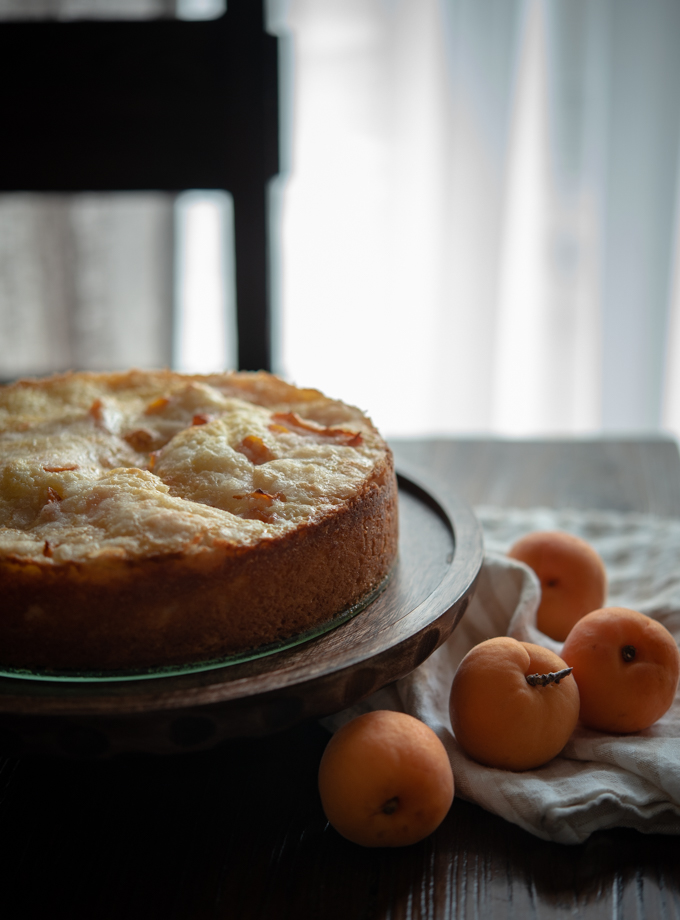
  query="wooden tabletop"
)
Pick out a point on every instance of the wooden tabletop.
point(238, 831)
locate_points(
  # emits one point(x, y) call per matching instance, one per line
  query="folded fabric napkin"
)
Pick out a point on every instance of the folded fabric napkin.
point(599, 780)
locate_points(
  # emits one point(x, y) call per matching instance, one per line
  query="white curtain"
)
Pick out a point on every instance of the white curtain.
point(475, 231)
point(478, 228)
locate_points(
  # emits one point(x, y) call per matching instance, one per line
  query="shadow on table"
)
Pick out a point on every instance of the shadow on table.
point(238, 832)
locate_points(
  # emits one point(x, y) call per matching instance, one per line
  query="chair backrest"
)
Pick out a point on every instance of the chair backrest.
point(149, 105)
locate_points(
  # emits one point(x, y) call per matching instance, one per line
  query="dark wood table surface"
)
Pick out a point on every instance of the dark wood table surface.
point(238, 831)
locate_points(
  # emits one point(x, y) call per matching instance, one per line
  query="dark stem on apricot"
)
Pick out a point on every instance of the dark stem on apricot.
point(628, 652)
point(391, 806)
point(552, 677)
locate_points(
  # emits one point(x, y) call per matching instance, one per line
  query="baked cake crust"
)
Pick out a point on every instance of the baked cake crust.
point(153, 518)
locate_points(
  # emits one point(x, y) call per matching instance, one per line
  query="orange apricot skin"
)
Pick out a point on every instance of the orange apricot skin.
point(619, 695)
point(385, 780)
point(572, 575)
point(498, 718)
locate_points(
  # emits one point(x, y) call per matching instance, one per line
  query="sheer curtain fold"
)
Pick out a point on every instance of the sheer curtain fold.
point(85, 282)
point(548, 332)
point(393, 211)
point(642, 157)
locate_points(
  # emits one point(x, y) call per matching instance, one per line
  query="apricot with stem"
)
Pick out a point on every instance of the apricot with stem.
point(513, 704)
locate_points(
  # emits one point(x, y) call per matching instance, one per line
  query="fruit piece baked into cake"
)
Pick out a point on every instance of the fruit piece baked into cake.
point(153, 518)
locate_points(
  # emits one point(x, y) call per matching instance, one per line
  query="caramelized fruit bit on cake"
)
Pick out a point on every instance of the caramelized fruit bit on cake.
point(104, 414)
point(263, 496)
point(96, 410)
point(53, 495)
point(291, 421)
point(141, 439)
point(255, 450)
point(259, 507)
point(157, 405)
point(191, 403)
point(61, 469)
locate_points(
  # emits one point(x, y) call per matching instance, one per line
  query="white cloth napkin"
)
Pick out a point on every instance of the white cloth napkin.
point(599, 780)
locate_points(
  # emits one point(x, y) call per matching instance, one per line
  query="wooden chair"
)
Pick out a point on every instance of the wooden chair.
point(95, 105)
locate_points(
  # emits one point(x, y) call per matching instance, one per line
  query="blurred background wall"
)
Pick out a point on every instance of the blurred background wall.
point(475, 229)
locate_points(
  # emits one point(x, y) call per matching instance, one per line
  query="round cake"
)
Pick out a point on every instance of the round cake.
point(154, 518)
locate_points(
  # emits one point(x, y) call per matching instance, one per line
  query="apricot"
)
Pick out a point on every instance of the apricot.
point(385, 780)
point(572, 576)
point(626, 666)
point(513, 704)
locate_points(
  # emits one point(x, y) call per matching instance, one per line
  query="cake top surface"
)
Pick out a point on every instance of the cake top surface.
point(136, 464)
